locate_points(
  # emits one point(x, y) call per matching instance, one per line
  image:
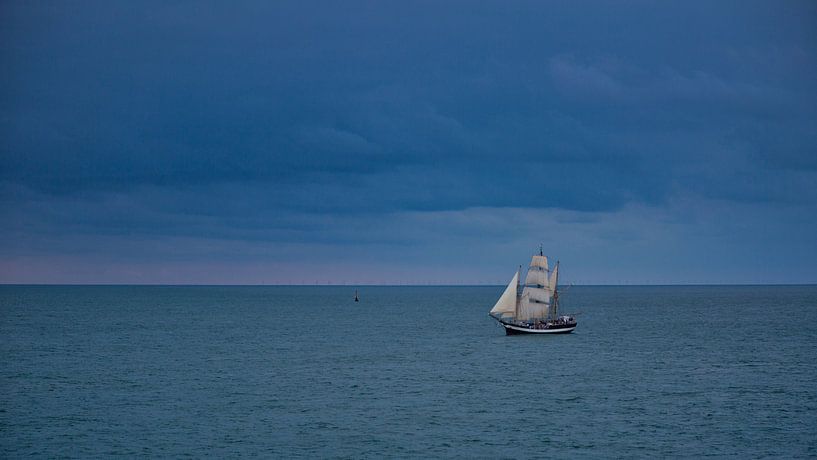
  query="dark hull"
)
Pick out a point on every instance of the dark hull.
point(519, 329)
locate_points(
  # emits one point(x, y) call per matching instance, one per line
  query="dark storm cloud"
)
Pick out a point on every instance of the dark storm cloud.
point(268, 121)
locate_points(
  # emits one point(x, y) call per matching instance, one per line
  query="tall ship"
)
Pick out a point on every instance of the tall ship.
point(534, 307)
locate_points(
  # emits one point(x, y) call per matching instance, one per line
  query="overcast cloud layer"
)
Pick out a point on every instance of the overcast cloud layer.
point(405, 142)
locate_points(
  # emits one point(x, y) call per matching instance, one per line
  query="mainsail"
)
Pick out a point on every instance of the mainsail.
point(506, 305)
point(534, 304)
point(535, 300)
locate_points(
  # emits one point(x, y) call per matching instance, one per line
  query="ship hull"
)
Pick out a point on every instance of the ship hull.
point(516, 330)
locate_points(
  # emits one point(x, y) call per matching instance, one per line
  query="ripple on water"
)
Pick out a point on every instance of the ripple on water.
point(299, 371)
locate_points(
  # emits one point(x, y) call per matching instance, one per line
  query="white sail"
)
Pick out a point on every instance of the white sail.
point(554, 277)
point(529, 310)
point(534, 304)
point(539, 262)
point(537, 295)
point(536, 277)
point(525, 312)
point(506, 305)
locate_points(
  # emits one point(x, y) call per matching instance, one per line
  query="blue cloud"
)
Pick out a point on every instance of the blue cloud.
point(264, 122)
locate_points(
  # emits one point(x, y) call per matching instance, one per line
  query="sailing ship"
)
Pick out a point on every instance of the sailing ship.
point(534, 307)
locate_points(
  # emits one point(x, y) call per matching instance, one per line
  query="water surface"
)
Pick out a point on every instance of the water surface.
point(408, 371)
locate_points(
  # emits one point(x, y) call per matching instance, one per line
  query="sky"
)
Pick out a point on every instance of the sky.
point(407, 142)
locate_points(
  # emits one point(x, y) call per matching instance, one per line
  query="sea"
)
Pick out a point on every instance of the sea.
point(304, 371)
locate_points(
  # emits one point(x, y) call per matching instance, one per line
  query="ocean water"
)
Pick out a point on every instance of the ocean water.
point(407, 372)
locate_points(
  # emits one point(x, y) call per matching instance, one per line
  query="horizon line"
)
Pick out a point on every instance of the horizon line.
point(391, 285)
